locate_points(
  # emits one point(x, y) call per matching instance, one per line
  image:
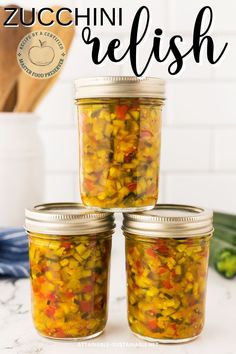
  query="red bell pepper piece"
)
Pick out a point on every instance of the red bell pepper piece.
point(162, 248)
point(162, 270)
point(152, 325)
point(59, 333)
point(121, 111)
point(66, 245)
point(86, 306)
point(52, 297)
point(130, 153)
point(41, 279)
point(69, 294)
point(87, 288)
point(167, 284)
point(174, 327)
point(50, 311)
point(139, 267)
point(151, 253)
point(40, 294)
point(132, 186)
point(44, 268)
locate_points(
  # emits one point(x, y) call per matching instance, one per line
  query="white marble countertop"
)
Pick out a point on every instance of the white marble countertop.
point(18, 336)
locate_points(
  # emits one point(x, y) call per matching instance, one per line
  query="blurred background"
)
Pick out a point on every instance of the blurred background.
point(198, 164)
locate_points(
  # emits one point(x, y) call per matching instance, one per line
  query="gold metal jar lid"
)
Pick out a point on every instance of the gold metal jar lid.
point(120, 86)
point(170, 220)
point(67, 219)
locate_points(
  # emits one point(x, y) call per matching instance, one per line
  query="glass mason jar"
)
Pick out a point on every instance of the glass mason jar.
point(120, 138)
point(69, 252)
point(167, 260)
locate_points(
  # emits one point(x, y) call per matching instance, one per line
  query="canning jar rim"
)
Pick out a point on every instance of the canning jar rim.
point(148, 238)
point(52, 219)
point(119, 86)
point(150, 224)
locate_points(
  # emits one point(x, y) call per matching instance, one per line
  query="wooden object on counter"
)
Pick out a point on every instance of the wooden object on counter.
point(30, 90)
point(10, 101)
point(9, 68)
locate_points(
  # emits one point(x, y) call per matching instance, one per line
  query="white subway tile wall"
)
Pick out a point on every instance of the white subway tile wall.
point(198, 162)
point(213, 190)
point(225, 150)
point(185, 149)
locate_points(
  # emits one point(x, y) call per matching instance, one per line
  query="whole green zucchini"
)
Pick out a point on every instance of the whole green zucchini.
point(223, 245)
point(225, 233)
point(223, 219)
point(223, 257)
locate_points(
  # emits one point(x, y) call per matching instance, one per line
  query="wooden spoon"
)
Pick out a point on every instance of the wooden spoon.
point(9, 68)
point(11, 99)
point(30, 90)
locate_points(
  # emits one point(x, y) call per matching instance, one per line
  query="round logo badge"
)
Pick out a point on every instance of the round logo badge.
point(41, 54)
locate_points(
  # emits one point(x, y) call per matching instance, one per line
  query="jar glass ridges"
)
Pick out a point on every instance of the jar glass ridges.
point(69, 270)
point(120, 137)
point(167, 262)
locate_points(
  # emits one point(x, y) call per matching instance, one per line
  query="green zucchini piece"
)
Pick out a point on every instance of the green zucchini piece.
point(226, 263)
point(223, 257)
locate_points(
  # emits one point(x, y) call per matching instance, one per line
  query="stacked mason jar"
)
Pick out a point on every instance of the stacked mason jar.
point(167, 246)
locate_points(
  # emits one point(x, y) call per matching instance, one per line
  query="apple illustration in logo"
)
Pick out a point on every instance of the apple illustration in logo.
point(41, 55)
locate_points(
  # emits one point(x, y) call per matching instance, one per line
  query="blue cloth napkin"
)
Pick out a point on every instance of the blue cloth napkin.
point(14, 260)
